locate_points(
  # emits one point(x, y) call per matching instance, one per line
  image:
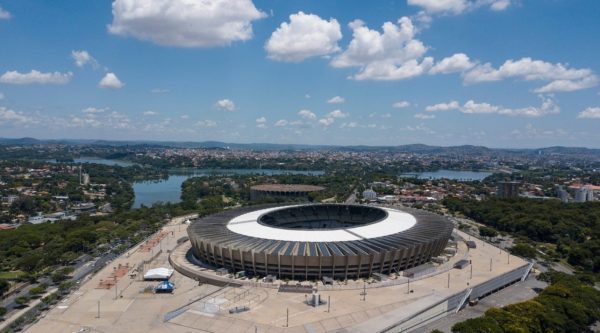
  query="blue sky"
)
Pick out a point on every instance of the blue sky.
point(499, 73)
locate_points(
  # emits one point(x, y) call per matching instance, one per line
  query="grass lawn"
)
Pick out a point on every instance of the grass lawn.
point(11, 275)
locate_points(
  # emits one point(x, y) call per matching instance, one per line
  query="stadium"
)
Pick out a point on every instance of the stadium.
point(312, 241)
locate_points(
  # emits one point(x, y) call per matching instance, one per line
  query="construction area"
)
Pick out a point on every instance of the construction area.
point(117, 299)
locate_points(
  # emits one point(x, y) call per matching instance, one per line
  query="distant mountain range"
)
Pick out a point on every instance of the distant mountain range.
point(411, 148)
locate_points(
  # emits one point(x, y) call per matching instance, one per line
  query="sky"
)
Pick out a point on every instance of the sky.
point(498, 73)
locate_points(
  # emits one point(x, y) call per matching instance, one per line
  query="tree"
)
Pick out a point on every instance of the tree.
point(524, 250)
point(487, 232)
point(4, 287)
point(2, 311)
point(477, 325)
point(22, 301)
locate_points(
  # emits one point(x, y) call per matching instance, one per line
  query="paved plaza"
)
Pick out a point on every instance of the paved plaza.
point(205, 308)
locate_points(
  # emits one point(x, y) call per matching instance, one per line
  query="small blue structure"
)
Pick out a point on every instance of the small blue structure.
point(164, 287)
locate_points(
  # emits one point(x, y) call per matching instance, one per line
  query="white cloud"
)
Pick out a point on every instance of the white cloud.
point(110, 81)
point(307, 35)
point(159, 91)
point(4, 15)
point(326, 121)
point(8, 116)
point(110, 120)
point(307, 114)
point(330, 118)
point(424, 116)
point(548, 106)
point(386, 115)
point(458, 62)
point(391, 55)
point(336, 100)
point(225, 104)
point(401, 104)
point(351, 124)
point(206, 124)
point(94, 110)
point(453, 105)
point(184, 116)
point(1, 96)
point(337, 114)
point(307, 96)
point(569, 85)
point(590, 113)
point(34, 76)
point(185, 23)
point(281, 123)
point(561, 76)
point(83, 58)
point(261, 122)
point(458, 6)
point(150, 113)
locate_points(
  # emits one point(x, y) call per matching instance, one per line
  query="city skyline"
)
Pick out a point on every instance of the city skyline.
point(498, 73)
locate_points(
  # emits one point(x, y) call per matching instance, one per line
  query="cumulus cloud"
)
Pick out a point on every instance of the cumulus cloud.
point(393, 54)
point(305, 36)
point(261, 122)
point(94, 110)
point(458, 62)
point(352, 124)
point(206, 124)
point(307, 114)
point(110, 120)
point(590, 113)
point(110, 81)
point(326, 121)
point(281, 123)
point(159, 91)
point(8, 116)
point(150, 113)
point(336, 100)
point(401, 105)
point(337, 114)
point(225, 105)
point(185, 23)
point(561, 76)
point(453, 105)
point(458, 6)
point(569, 85)
point(424, 116)
point(4, 15)
point(35, 77)
point(548, 106)
point(83, 58)
point(330, 118)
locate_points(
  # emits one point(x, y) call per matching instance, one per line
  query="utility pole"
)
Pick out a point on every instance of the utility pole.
point(408, 287)
point(116, 287)
point(98, 309)
point(490, 264)
point(287, 317)
point(448, 280)
point(508, 257)
point(471, 277)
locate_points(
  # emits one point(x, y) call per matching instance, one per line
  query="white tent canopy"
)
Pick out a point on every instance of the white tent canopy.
point(158, 274)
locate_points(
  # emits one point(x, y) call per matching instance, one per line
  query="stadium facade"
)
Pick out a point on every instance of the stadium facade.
point(312, 241)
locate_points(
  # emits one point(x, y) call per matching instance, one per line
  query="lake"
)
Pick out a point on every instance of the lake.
point(450, 174)
point(97, 160)
point(169, 190)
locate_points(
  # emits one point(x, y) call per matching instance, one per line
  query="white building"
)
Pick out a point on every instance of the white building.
point(369, 194)
point(581, 194)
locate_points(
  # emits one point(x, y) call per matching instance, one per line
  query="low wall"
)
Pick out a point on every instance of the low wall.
point(455, 302)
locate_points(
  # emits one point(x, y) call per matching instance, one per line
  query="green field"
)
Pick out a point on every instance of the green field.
point(13, 275)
